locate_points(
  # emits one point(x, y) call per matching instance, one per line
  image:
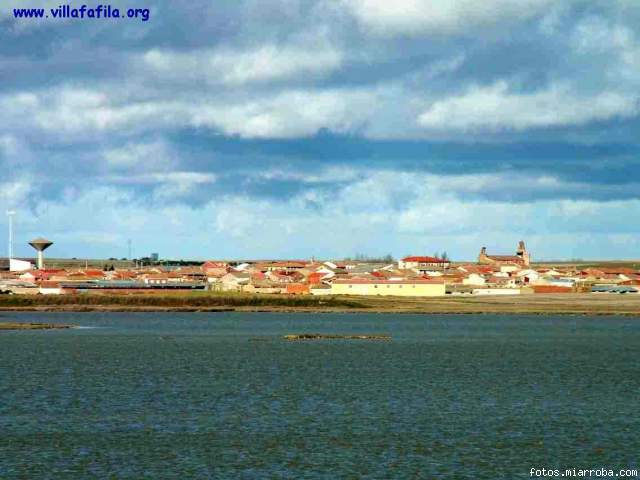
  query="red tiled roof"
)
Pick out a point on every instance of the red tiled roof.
point(212, 264)
point(94, 273)
point(42, 274)
point(316, 277)
point(372, 281)
point(424, 260)
point(284, 273)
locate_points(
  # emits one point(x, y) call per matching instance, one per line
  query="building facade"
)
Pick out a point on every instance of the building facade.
point(521, 258)
point(400, 288)
point(422, 263)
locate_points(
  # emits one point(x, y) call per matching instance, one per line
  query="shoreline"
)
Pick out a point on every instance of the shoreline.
point(567, 313)
point(550, 304)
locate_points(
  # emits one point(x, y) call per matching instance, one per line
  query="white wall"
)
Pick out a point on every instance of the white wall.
point(19, 265)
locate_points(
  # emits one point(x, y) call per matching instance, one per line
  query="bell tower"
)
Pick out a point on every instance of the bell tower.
point(523, 253)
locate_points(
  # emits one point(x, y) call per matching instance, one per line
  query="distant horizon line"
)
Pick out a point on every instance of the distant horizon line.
point(292, 259)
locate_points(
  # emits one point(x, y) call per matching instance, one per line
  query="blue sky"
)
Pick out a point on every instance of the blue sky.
point(299, 128)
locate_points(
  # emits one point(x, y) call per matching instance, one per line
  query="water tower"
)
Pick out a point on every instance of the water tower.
point(40, 244)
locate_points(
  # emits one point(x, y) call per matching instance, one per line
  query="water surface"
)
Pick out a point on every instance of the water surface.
point(223, 396)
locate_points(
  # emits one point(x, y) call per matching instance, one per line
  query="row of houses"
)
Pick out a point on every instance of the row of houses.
point(410, 276)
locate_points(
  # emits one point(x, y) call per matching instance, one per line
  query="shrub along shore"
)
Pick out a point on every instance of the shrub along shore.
point(32, 326)
point(170, 301)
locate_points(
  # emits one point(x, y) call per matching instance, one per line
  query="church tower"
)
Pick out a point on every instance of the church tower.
point(523, 254)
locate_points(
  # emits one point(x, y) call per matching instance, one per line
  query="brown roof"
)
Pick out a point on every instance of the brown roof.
point(384, 282)
point(425, 260)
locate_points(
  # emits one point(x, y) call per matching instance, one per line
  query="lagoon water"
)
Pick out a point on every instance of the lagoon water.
point(224, 396)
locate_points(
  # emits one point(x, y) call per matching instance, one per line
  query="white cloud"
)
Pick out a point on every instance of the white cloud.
point(413, 17)
point(238, 67)
point(180, 179)
point(291, 114)
point(371, 218)
point(71, 112)
point(167, 187)
point(15, 192)
point(495, 108)
point(330, 174)
point(599, 36)
point(380, 212)
point(67, 110)
point(8, 145)
point(178, 184)
point(139, 156)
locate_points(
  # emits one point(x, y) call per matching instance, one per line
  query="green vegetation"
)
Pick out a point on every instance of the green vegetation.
point(31, 326)
point(575, 303)
point(205, 300)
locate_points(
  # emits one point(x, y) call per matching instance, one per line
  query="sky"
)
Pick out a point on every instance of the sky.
point(325, 128)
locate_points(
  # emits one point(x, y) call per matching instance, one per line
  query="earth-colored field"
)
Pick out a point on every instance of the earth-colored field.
point(586, 303)
point(599, 304)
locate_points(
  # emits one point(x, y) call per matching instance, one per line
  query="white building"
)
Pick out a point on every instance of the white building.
point(16, 265)
point(422, 264)
point(474, 279)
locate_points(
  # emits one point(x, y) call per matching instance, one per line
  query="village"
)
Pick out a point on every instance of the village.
point(412, 276)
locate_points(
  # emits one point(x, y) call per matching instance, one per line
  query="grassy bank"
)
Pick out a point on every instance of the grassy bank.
point(170, 301)
point(593, 304)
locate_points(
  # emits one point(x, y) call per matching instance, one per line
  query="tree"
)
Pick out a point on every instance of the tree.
point(445, 256)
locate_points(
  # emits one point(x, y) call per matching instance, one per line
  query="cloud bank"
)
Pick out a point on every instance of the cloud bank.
point(292, 128)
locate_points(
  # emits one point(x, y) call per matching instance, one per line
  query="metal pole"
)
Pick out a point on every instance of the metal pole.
point(10, 214)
